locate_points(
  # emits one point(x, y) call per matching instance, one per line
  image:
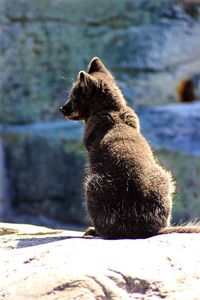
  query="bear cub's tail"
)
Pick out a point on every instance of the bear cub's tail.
point(188, 228)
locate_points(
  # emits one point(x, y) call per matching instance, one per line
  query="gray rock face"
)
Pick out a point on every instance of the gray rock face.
point(5, 196)
point(46, 164)
point(174, 127)
point(38, 263)
point(149, 45)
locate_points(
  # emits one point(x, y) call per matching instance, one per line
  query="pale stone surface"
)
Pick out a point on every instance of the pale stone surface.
point(37, 263)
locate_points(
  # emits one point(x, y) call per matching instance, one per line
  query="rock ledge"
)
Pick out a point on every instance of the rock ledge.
point(40, 263)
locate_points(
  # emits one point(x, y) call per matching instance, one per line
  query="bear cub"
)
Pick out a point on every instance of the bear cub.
point(128, 194)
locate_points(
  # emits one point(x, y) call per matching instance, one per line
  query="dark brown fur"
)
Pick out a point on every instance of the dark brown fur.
point(128, 194)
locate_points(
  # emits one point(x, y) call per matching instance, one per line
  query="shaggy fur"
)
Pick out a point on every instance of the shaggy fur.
point(128, 194)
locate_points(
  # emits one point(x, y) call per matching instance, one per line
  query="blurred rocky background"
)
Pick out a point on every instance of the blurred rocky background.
point(153, 49)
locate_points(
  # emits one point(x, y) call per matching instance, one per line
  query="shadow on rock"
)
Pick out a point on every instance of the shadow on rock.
point(35, 241)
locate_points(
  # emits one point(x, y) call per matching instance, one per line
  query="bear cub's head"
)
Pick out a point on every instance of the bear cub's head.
point(93, 92)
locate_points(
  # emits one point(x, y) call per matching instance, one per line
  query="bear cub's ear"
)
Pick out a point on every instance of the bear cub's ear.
point(86, 80)
point(96, 65)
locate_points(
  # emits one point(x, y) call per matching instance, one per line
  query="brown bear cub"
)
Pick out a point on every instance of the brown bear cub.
point(128, 194)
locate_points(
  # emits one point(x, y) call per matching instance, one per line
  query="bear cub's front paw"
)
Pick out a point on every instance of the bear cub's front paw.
point(90, 231)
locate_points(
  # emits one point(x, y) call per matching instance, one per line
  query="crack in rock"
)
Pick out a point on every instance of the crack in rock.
point(133, 284)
